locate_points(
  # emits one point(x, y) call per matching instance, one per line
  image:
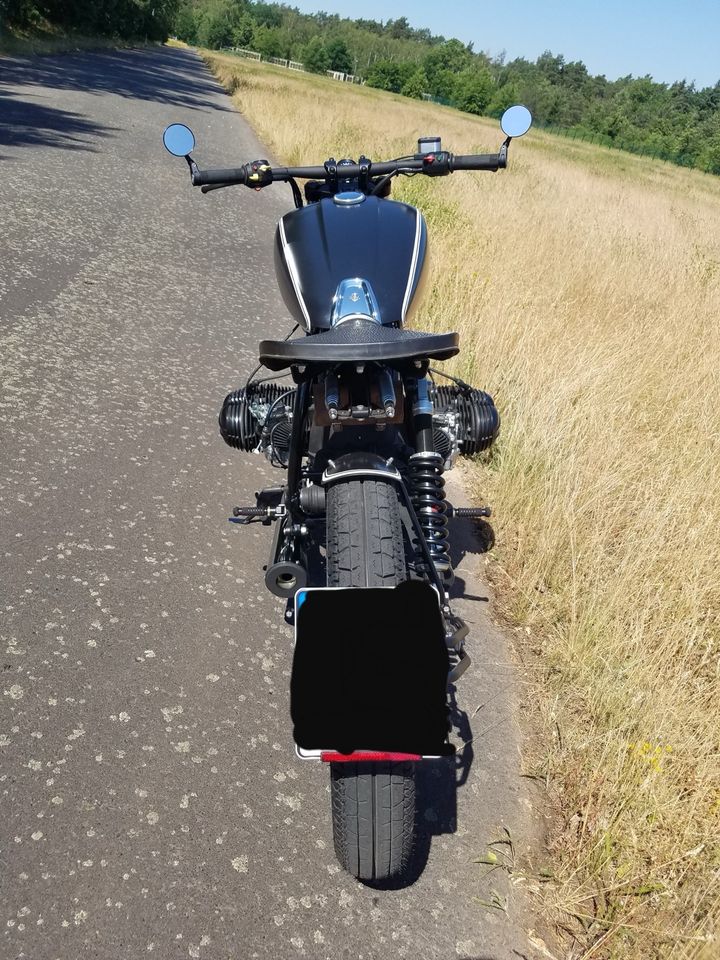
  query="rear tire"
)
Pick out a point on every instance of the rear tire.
point(373, 804)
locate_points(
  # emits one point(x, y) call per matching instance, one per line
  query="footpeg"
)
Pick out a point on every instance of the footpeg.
point(469, 511)
point(249, 511)
point(258, 514)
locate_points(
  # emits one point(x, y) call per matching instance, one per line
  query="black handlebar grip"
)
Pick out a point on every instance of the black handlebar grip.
point(233, 175)
point(477, 161)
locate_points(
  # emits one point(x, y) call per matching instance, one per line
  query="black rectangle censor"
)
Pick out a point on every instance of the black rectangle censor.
point(370, 670)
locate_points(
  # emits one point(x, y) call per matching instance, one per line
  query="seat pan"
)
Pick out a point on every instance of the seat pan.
point(356, 340)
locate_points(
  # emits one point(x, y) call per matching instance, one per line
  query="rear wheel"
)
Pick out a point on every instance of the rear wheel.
point(373, 804)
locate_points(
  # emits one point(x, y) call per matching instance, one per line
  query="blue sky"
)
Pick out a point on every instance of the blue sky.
point(668, 39)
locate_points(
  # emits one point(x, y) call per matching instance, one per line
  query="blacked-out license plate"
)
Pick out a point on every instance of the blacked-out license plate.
point(370, 671)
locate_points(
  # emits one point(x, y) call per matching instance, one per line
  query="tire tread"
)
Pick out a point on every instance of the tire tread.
point(373, 804)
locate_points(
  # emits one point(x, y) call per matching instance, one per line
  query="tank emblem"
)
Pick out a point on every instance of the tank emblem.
point(354, 298)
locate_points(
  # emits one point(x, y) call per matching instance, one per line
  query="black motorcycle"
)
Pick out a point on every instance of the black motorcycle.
point(364, 435)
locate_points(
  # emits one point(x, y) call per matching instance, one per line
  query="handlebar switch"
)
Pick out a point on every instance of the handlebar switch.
point(259, 174)
point(436, 164)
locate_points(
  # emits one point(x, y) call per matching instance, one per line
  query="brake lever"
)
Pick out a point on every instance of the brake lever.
point(207, 187)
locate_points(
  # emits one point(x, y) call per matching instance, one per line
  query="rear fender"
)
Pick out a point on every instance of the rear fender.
point(360, 464)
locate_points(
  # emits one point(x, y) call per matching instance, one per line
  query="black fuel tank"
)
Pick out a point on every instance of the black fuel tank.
point(346, 236)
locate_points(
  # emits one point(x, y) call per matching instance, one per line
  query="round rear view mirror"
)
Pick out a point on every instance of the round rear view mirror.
point(516, 121)
point(179, 140)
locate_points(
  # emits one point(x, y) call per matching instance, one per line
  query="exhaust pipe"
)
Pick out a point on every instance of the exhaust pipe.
point(285, 578)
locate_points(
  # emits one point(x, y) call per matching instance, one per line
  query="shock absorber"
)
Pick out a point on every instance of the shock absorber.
point(427, 484)
point(387, 391)
point(332, 395)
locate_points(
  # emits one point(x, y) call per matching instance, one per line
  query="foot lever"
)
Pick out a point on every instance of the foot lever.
point(461, 663)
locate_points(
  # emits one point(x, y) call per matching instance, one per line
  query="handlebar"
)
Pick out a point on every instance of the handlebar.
point(259, 174)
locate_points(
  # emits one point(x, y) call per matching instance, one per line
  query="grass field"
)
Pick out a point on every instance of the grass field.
point(585, 285)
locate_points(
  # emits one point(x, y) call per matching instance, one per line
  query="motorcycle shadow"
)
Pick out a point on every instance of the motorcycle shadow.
point(467, 537)
point(436, 786)
point(437, 781)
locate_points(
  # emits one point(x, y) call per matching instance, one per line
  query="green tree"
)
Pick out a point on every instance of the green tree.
point(315, 57)
point(215, 28)
point(371, 26)
point(242, 31)
point(502, 98)
point(574, 75)
point(268, 42)
point(185, 25)
point(550, 66)
point(267, 14)
point(442, 64)
point(400, 29)
point(389, 75)
point(416, 85)
point(710, 155)
point(339, 55)
point(473, 90)
point(21, 13)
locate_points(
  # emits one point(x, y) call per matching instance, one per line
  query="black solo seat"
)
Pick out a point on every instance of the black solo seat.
point(356, 340)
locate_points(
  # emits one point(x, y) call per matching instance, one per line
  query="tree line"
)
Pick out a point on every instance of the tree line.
point(676, 121)
point(125, 19)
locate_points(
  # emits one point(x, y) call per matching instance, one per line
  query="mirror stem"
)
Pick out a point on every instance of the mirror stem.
point(503, 152)
point(193, 167)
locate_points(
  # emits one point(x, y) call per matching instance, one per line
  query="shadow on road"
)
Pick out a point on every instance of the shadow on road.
point(437, 781)
point(159, 74)
point(436, 786)
point(28, 124)
point(468, 536)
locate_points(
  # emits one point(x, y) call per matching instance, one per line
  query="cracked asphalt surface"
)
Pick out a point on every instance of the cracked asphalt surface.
point(151, 800)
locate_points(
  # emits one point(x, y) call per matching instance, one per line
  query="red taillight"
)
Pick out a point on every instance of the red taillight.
point(329, 756)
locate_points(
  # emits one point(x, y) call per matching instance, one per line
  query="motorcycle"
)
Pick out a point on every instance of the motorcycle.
point(360, 550)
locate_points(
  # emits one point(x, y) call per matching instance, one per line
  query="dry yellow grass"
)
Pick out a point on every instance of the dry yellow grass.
point(586, 287)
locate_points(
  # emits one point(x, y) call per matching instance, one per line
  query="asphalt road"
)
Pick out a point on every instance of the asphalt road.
point(151, 802)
